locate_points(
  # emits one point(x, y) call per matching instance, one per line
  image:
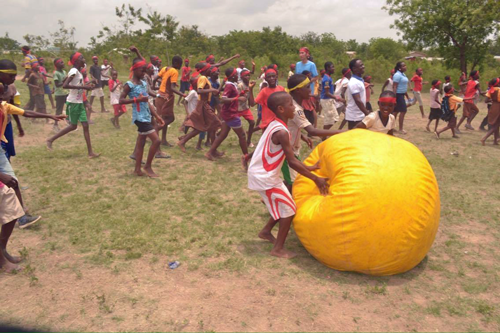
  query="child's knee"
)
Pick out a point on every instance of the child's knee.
point(251, 123)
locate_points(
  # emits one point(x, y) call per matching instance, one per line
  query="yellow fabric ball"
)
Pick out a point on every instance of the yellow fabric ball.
point(382, 211)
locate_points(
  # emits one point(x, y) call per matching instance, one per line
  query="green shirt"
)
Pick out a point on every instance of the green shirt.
point(60, 76)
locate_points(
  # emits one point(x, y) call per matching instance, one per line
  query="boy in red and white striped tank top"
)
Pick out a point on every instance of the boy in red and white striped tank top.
point(264, 172)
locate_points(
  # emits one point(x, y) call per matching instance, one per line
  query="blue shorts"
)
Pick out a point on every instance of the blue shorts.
point(234, 123)
point(259, 111)
point(9, 148)
point(184, 86)
point(46, 89)
point(5, 166)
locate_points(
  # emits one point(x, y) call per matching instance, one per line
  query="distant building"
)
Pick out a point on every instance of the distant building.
point(351, 54)
point(414, 55)
point(497, 58)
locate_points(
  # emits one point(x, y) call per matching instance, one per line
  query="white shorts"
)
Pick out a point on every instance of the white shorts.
point(418, 97)
point(279, 202)
point(10, 207)
point(97, 92)
point(330, 114)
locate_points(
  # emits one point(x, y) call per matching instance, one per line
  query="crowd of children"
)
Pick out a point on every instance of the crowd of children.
point(286, 116)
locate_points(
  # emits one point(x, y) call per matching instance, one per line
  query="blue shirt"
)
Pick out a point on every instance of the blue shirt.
point(308, 66)
point(402, 81)
point(326, 86)
point(144, 114)
point(214, 99)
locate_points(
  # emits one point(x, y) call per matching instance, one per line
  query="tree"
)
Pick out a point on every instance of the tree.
point(64, 37)
point(386, 48)
point(37, 43)
point(7, 43)
point(459, 29)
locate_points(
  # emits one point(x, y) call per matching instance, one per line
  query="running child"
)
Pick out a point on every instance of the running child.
point(493, 94)
point(136, 90)
point(36, 85)
point(470, 108)
point(74, 106)
point(229, 114)
point(115, 90)
point(382, 120)
point(452, 102)
point(185, 78)
point(270, 86)
point(417, 89)
point(273, 149)
point(389, 83)
point(46, 84)
point(330, 113)
point(447, 82)
point(190, 103)
point(243, 108)
point(435, 113)
point(241, 67)
point(369, 91)
point(60, 93)
point(340, 94)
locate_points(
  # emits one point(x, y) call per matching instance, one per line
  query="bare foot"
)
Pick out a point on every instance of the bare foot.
point(181, 146)
point(181, 137)
point(94, 155)
point(267, 236)
point(244, 163)
point(427, 129)
point(198, 147)
point(436, 134)
point(209, 156)
point(483, 142)
point(150, 172)
point(12, 259)
point(49, 144)
point(165, 143)
point(207, 144)
point(218, 153)
point(283, 253)
point(139, 173)
point(8, 266)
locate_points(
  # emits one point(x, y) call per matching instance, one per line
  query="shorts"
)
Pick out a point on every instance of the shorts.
point(352, 123)
point(234, 123)
point(246, 114)
point(10, 207)
point(40, 103)
point(435, 114)
point(452, 122)
point(5, 166)
point(97, 92)
point(279, 202)
point(330, 114)
point(259, 111)
point(47, 90)
point(60, 102)
point(470, 110)
point(105, 83)
point(418, 97)
point(165, 105)
point(369, 106)
point(144, 128)
point(76, 113)
point(289, 174)
point(184, 86)
point(119, 108)
point(9, 147)
point(309, 116)
point(400, 103)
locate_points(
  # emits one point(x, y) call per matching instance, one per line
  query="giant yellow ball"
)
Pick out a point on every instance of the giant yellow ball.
point(381, 214)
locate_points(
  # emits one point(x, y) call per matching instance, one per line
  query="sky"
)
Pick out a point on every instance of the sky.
point(347, 19)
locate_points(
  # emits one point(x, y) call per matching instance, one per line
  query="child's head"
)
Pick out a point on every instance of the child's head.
point(367, 78)
point(214, 72)
point(292, 67)
point(25, 50)
point(307, 73)
point(299, 86)
point(114, 75)
point(357, 67)
point(436, 84)
point(400, 66)
point(76, 60)
point(392, 72)
point(271, 76)
point(138, 69)
point(186, 62)
point(105, 62)
point(241, 64)
point(329, 68)
point(58, 64)
point(194, 82)
point(419, 71)
point(387, 103)
point(177, 62)
point(281, 103)
point(149, 69)
point(231, 74)
point(346, 72)
point(210, 59)
point(35, 67)
point(474, 75)
point(494, 82)
point(95, 60)
point(449, 89)
point(447, 78)
point(154, 60)
point(8, 72)
point(304, 53)
point(204, 68)
point(245, 76)
point(41, 61)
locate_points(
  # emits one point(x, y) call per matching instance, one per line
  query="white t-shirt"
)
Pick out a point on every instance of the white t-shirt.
point(239, 70)
point(295, 125)
point(355, 87)
point(75, 95)
point(114, 96)
point(105, 72)
point(374, 123)
point(339, 85)
point(192, 101)
point(390, 85)
point(433, 94)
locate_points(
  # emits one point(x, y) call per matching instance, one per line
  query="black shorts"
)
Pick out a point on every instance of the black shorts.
point(400, 103)
point(310, 116)
point(184, 86)
point(351, 124)
point(435, 114)
point(144, 128)
point(60, 102)
point(104, 83)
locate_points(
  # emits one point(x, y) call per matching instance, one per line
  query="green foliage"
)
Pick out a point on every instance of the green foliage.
point(7, 43)
point(458, 29)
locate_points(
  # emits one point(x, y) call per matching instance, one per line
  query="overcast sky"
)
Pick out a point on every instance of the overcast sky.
point(347, 19)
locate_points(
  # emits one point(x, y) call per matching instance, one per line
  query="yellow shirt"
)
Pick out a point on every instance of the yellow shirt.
point(498, 95)
point(453, 101)
point(29, 60)
point(6, 109)
point(166, 74)
point(202, 83)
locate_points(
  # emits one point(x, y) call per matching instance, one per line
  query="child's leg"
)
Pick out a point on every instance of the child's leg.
point(4, 239)
point(103, 109)
point(496, 134)
point(265, 233)
point(251, 125)
point(138, 152)
point(493, 130)
point(461, 121)
point(155, 144)
point(242, 139)
point(401, 121)
point(429, 124)
point(216, 143)
point(436, 127)
point(86, 134)
point(5, 263)
point(64, 131)
point(278, 249)
point(201, 137)
point(186, 138)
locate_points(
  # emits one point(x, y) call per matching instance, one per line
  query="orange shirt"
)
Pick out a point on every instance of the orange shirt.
point(170, 75)
point(262, 97)
point(453, 101)
point(203, 81)
point(417, 80)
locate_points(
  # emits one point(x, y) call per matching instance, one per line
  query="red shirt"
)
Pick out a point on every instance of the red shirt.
point(267, 114)
point(185, 74)
point(470, 91)
point(418, 82)
point(230, 110)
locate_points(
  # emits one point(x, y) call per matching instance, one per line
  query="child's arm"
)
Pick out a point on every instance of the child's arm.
point(253, 67)
point(33, 114)
point(124, 100)
point(115, 86)
point(251, 99)
point(311, 130)
point(46, 75)
point(19, 125)
point(66, 84)
point(385, 84)
point(307, 141)
point(283, 138)
point(359, 103)
point(223, 62)
point(159, 119)
point(8, 180)
point(136, 51)
point(173, 87)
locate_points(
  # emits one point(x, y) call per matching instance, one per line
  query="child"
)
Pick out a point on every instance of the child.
point(494, 111)
point(241, 67)
point(389, 83)
point(417, 89)
point(95, 73)
point(435, 113)
point(382, 120)
point(74, 106)
point(447, 82)
point(330, 114)
point(190, 103)
point(470, 108)
point(243, 108)
point(270, 86)
point(105, 68)
point(86, 104)
point(136, 90)
point(229, 114)
point(309, 104)
point(214, 101)
point(340, 93)
point(452, 102)
point(203, 118)
point(185, 78)
point(264, 172)
point(115, 89)
point(369, 91)
point(36, 85)
point(60, 93)
point(46, 84)
point(166, 99)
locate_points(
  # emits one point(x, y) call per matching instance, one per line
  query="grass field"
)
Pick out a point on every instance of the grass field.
point(98, 259)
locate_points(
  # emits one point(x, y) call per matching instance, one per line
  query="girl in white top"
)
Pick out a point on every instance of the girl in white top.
point(381, 121)
point(389, 83)
point(435, 113)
